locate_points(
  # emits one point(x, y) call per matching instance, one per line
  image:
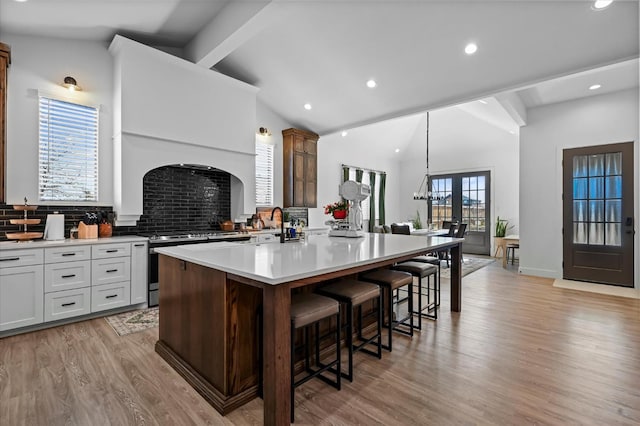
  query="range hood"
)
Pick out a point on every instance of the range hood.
point(171, 111)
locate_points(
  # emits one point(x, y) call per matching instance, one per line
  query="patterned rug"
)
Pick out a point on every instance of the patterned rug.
point(470, 264)
point(134, 321)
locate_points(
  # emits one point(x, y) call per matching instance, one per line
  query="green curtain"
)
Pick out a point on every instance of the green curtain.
point(359, 174)
point(372, 201)
point(345, 174)
point(383, 181)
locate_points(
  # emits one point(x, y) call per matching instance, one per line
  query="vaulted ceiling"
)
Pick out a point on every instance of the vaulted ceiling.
point(323, 52)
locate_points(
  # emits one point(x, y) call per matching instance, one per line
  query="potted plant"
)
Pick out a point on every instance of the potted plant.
point(417, 222)
point(338, 209)
point(500, 232)
point(286, 219)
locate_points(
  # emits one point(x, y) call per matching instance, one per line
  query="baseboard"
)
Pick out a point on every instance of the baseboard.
point(536, 272)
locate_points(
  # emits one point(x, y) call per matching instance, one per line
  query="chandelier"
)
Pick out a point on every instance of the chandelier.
point(424, 190)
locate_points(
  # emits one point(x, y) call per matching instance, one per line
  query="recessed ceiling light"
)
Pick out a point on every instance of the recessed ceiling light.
point(471, 48)
point(371, 84)
point(595, 87)
point(307, 106)
point(397, 150)
point(482, 102)
point(20, 1)
point(344, 133)
point(601, 4)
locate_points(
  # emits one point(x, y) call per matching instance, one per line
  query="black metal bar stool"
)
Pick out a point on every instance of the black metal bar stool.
point(511, 248)
point(433, 260)
point(309, 309)
point(421, 270)
point(355, 293)
point(393, 281)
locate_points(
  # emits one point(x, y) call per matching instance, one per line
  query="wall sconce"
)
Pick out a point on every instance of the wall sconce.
point(263, 131)
point(71, 84)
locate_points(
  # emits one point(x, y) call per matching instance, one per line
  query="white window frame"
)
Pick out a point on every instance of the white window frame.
point(264, 174)
point(67, 151)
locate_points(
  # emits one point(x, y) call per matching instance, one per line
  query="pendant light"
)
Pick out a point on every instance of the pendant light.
point(424, 190)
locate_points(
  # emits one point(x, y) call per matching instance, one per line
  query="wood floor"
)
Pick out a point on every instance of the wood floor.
point(520, 352)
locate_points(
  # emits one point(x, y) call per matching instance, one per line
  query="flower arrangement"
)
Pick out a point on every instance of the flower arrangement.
point(341, 205)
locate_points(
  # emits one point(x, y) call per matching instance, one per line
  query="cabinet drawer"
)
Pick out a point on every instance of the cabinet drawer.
point(25, 257)
point(109, 296)
point(67, 303)
point(67, 275)
point(103, 251)
point(104, 271)
point(67, 254)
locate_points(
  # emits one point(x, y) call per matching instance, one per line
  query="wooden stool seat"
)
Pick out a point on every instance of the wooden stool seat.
point(307, 308)
point(353, 291)
point(388, 278)
point(418, 269)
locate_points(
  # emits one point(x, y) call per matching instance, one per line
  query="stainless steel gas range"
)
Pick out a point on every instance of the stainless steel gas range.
point(179, 238)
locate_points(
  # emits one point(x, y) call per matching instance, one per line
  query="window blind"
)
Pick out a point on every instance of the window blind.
point(68, 151)
point(264, 174)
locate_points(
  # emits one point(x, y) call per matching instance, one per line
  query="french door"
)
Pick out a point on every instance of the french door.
point(598, 214)
point(465, 198)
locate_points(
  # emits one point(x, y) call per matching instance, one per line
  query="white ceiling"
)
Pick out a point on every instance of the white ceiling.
point(322, 52)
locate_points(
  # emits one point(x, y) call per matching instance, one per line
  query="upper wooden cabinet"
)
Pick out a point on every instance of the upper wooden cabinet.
point(300, 149)
point(5, 60)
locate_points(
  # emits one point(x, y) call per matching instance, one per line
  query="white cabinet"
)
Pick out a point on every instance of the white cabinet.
point(67, 303)
point(139, 271)
point(109, 296)
point(47, 284)
point(67, 275)
point(21, 293)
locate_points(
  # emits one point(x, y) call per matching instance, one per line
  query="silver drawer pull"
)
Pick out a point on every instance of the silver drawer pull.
point(69, 276)
point(9, 258)
point(68, 254)
point(112, 270)
point(112, 251)
point(69, 304)
point(111, 296)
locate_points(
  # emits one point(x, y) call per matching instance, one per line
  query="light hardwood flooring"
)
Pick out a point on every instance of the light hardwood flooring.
point(520, 352)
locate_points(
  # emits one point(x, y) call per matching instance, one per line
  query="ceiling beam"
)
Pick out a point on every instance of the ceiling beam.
point(514, 106)
point(236, 23)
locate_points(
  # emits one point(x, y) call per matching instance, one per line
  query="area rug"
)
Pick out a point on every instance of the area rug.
point(134, 321)
point(469, 265)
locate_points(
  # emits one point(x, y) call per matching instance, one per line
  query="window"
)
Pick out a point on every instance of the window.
point(68, 151)
point(264, 174)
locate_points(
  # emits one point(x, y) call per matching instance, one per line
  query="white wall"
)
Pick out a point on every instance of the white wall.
point(595, 120)
point(359, 151)
point(460, 142)
point(40, 64)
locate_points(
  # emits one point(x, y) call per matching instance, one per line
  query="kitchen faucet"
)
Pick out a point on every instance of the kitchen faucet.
point(281, 222)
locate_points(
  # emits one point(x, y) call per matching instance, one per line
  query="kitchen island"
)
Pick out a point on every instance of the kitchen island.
point(215, 300)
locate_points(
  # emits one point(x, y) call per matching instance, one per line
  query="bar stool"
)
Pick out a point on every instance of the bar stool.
point(433, 260)
point(511, 248)
point(309, 309)
point(393, 281)
point(422, 270)
point(355, 293)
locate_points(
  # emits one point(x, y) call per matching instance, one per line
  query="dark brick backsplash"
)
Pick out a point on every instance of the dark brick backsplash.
point(185, 199)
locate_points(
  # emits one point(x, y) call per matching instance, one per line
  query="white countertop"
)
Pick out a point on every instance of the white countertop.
point(275, 263)
point(13, 245)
